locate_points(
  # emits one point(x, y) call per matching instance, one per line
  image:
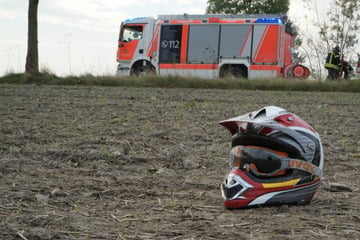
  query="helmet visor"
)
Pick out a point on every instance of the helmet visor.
point(259, 161)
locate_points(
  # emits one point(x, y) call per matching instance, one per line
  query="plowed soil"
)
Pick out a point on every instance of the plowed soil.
point(147, 163)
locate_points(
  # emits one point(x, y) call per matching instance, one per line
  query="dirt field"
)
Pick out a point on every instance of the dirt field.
point(141, 163)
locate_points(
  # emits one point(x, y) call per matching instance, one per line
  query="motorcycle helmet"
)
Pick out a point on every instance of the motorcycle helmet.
point(276, 158)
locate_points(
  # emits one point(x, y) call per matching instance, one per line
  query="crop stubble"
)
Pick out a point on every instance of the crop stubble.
point(147, 163)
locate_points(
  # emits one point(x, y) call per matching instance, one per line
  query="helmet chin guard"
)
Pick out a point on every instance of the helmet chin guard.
point(276, 158)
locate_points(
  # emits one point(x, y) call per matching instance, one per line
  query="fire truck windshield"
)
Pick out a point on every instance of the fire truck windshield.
point(131, 32)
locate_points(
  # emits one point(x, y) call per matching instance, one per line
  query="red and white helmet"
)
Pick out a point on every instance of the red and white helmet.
point(276, 158)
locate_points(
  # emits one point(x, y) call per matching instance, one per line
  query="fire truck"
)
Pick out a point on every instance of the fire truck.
point(209, 46)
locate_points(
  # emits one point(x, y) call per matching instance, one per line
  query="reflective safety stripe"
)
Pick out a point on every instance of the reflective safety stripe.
point(292, 182)
point(329, 64)
point(333, 66)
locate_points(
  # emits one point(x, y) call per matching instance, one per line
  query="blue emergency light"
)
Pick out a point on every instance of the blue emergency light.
point(134, 19)
point(269, 20)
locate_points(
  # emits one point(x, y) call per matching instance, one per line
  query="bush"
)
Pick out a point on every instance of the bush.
point(180, 82)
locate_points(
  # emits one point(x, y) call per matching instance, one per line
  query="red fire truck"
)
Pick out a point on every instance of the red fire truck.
point(209, 46)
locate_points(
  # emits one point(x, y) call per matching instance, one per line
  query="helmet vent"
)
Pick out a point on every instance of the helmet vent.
point(232, 191)
point(260, 113)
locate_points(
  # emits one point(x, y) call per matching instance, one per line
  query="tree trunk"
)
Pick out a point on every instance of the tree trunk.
point(32, 58)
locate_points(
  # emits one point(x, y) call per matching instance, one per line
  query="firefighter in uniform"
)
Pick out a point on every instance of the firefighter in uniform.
point(348, 70)
point(333, 64)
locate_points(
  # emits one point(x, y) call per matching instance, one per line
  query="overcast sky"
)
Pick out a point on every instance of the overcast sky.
point(80, 36)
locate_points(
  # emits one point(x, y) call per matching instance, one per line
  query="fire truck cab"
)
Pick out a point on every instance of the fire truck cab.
point(209, 46)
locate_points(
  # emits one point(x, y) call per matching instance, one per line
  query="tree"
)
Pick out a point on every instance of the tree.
point(339, 26)
point(32, 58)
point(248, 6)
point(343, 26)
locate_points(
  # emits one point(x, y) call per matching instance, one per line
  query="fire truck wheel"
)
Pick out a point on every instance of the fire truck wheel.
point(142, 68)
point(236, 71)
